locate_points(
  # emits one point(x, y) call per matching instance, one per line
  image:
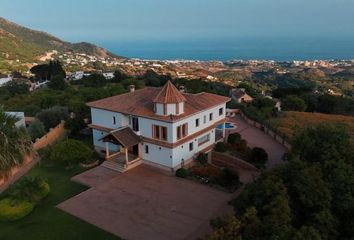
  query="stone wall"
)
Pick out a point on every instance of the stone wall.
point(51, 137)
point(234, 163)
point(268, 131)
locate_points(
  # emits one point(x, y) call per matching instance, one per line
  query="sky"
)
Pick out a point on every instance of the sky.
point(122, 21)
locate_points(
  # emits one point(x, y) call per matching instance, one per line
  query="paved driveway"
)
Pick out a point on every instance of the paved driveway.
point(257, 138)
point(144, 204)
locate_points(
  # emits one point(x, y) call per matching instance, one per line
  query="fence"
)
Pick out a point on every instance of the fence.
point(268, 129)
point(234, 163)
point(51, 137)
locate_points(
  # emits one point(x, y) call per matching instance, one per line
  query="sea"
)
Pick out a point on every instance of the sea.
point(279, 49)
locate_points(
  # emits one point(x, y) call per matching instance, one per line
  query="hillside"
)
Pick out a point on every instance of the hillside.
point(18, 42)
point(291, 121)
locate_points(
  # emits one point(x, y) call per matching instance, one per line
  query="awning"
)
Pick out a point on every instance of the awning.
point(125, 137)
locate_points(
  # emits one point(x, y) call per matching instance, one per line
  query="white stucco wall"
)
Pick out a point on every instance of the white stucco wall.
point(171, 109)
point(105, 118)
point(145, 127)
point(97, 135)
point(159, 108)
point(158, 155)
point(192, 119)
point(182, 152)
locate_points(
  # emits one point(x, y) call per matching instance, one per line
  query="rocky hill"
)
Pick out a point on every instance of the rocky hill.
point(24, 44)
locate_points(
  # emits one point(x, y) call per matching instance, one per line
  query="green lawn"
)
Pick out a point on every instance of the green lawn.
point(48, 222)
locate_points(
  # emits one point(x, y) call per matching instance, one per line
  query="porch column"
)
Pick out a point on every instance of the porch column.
point(223, 129)
point(107, 150)
point(126, 156)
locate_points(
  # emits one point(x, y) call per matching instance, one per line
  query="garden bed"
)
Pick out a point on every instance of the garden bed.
point(222, 179)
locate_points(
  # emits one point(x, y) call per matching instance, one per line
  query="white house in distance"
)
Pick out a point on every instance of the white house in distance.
point(240, 95)
point(5, 79)
point(162, 127)
point(21, 122)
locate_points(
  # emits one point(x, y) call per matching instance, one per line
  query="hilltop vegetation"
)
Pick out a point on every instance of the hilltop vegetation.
point(24, 44)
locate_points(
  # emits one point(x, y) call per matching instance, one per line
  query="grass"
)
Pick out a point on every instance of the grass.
point(293, 121)
point(47, 221)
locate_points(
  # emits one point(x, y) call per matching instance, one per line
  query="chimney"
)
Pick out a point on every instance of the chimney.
point(132, 88)
point(182, 89)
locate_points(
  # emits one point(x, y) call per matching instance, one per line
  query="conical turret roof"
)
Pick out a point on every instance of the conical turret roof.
point(169, 94)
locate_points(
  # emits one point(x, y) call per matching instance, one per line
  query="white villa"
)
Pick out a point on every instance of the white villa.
point(162, 127)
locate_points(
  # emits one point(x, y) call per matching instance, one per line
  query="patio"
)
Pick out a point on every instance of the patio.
point(145, 204)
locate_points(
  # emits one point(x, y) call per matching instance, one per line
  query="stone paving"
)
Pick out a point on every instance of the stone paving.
point(145, 204)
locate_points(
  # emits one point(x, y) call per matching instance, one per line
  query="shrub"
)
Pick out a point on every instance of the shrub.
point(234, 138)
point(229, 178)
point(71, 152)
point(202, 158)
point(75, 124)
point(51, 117)
point(258, 157)
point(36, 129)
point(207, 171)
point(31, 189)
point(182, 173)
point(12, 209)
point(220, 147)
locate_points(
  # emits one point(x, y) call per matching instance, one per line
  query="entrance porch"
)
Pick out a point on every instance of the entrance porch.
point(129, 155)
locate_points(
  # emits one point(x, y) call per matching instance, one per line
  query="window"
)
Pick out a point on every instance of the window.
point(203, 139)
point(204, 119)
point(221, 111)
point(146, 149)
point(210, 116)
point(114, 120)
point(197, 122)
point(191, 146)
point(159, 132)
point(135, 124)
point(182, 131)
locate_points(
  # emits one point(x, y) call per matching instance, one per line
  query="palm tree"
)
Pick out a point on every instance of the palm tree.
point(15, 143)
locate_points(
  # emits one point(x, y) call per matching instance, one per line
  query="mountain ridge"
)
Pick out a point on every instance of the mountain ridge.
point(25, 44)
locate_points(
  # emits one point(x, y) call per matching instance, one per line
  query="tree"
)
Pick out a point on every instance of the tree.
point(15, 143)
point(258, 156)
point(36, 129)
point(94, 80)
point(293, 103)
point(325, 142)
point(119, 76)
point(71, 152)
point(57, 82)
point(228, 227)
point(51, 117)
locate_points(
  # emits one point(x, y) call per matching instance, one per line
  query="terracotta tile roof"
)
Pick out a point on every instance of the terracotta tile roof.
point(140, 103)
point(238, 93)
point(124, 136)
point(169, 94)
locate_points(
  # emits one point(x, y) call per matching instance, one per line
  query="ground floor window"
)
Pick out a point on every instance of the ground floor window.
point(146, 149)
point(191, 146)
point(203, 139)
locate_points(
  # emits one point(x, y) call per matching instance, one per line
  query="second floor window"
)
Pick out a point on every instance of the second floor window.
point(146, 149)
point(114, 121)
point(221, 111)
point(197, 122)
point(203, 139)
point(135, 124)
point(159, 132)
point(204, 119)
point(182, 131)
point(210, 116)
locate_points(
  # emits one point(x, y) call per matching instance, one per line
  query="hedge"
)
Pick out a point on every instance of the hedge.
point(182, 173)
point(11, 210)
